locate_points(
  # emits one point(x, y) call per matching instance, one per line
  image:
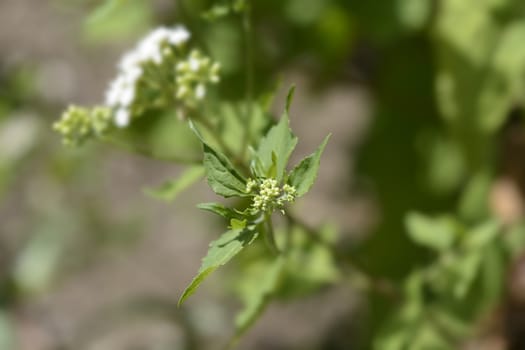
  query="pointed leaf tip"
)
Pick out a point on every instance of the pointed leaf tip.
point(220, 252)
point(289, 98)
point(303, 176)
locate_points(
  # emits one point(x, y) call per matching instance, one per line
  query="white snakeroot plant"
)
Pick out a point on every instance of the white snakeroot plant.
point(164, 73)
point(160, 72)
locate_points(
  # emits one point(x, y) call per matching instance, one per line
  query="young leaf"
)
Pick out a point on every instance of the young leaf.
point(437, 234)
point(303, 176)
point(237, 224)
point(279, 141)
point(220, 252)
point(219, 209)
point(169, 190)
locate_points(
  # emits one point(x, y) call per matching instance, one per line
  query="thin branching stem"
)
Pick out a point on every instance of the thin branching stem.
point(363, 279)
point(148, 153)
point(269, 234)
point(249, 74)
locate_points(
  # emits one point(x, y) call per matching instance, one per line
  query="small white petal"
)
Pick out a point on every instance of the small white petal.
point(180, 66)
point(132, 75)
point(200, 91)
point(122, 118)
point(156, 57)
point(129, 61)
point(194, 64)
point(114, 91)
point(158, 35)
point(179, 35)
point(127, 96)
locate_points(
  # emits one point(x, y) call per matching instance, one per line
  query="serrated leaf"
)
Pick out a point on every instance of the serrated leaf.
point(220, 252)
point(437, 234)
point(261, 288)
point(279, 141)
point(221, 175)
point(169, 190)
point(303, 176)
point(219, 209)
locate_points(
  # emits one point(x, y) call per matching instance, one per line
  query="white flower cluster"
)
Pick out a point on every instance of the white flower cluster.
point(159, 71)
point(193, 73)
point(150, 50)
point(268, 195)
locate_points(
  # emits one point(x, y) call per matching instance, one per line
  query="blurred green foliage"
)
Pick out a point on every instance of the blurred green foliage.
point(447, 80)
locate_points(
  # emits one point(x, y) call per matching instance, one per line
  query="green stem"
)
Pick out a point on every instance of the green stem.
point(269, 233)
point(360, 276)
point(249, 76)
point(148, 153)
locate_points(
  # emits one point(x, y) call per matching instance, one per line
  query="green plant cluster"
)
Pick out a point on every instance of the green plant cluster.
point(448, 82)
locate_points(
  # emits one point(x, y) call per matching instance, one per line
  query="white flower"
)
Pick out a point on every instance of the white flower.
point(200, 91)
point(194, 64)
point(179, 35)
point(129, 61)
point(114, 91)
point(127, 95)
point(158, 35)
point(122, 118)
point(149, 50)
point(132, 74)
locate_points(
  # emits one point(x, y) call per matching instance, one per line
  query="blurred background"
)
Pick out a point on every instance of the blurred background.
point(424, 99)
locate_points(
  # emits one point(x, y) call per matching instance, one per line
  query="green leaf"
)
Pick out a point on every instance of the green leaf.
point(259, 289)
point(169, 190)
point(104, 10)
point(289, 98)
point(7, 332)
point(279, 141)
point(118, 19)
point(428, 336)
point(216, 12)
point(219, 209)
point(493, 272)
point(222, 177)
point(303, 176)
point(237, 224)
point(438, 234)
point(466, 271)
point(220, 252)
point(414, 14)
point(482, 235)
point(37, 264)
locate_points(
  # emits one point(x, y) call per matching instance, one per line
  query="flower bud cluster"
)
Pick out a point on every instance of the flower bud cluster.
point(78, 124)
point(158, 72)
point(268, 195)
point(192, 75)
